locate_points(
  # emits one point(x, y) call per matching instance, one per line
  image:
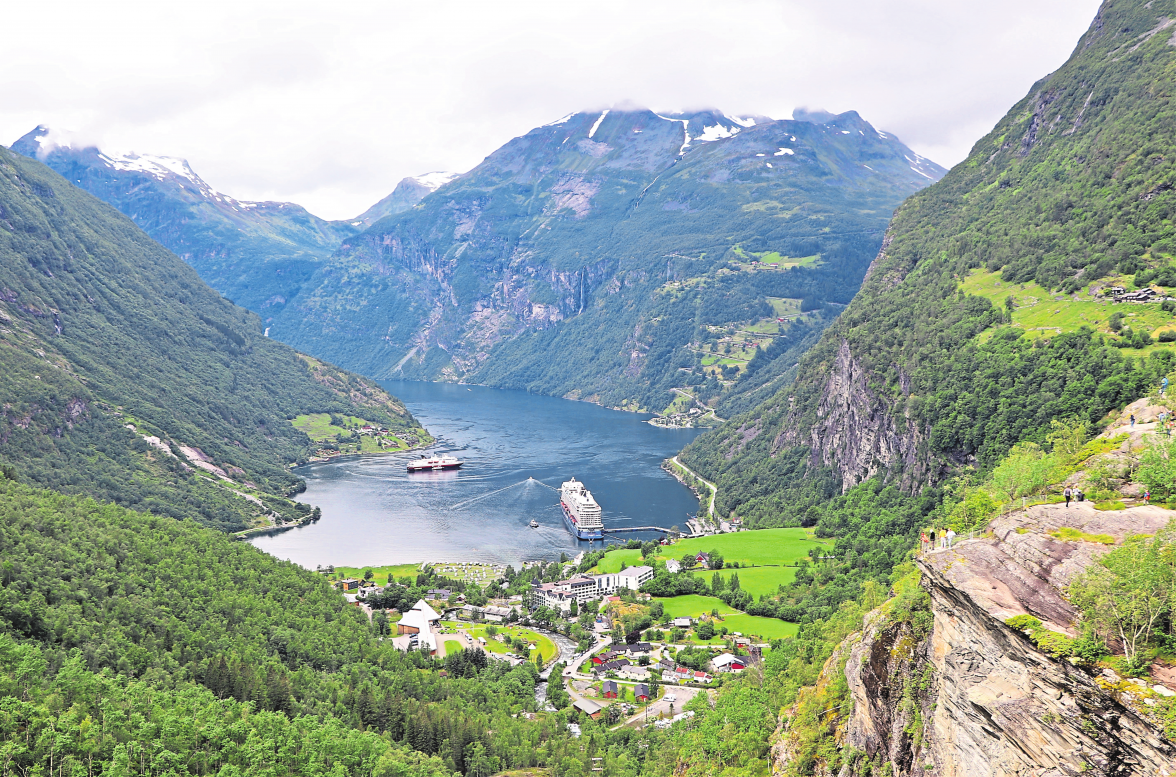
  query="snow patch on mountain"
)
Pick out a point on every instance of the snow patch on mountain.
point(435, 180)
point(685, 131)
point(747, 122)
point(717, 132)
point(596, 126)
point(558, 122)
point(784, 151)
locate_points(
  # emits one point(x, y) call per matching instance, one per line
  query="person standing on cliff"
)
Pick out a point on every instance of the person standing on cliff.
point(932, 539)
point(949, 538)
point(1133, 420)
point(1067, 493)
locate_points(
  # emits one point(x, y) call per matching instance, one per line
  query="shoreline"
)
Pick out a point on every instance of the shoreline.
point(341, 454)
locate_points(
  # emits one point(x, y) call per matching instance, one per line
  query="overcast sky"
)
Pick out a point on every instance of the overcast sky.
point(329, 104)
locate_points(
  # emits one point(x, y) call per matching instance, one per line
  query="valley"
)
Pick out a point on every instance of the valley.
point(906, 432)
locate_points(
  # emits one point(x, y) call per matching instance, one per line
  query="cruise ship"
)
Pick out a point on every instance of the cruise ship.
point(580, 510)
point(434, 463)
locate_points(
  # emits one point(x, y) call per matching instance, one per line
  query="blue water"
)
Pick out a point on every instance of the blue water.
point(517, 448)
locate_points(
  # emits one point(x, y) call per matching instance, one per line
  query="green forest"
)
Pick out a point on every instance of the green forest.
point(108, 339)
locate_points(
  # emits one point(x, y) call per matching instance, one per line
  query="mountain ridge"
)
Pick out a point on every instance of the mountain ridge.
point(590, 216)
point(1070, 193)
point(128, 378)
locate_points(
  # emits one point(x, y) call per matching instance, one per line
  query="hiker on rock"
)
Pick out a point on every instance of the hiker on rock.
point(1133, 420)
point(1067, 493)
point(950, 537)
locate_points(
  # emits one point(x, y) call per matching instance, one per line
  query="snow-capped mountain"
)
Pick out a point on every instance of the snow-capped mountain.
point(604, 237)
point(407, 193)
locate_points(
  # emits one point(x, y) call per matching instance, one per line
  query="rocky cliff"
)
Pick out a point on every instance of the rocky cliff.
point(967, 696)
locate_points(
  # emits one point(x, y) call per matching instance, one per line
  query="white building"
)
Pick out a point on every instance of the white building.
point(673, 565)
point(634, 577)
point(584, 588)
point(420, 622)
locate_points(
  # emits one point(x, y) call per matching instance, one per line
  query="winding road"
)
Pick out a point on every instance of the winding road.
point(707, 483)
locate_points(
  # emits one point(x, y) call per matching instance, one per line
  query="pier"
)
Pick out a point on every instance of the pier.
point(644, 528)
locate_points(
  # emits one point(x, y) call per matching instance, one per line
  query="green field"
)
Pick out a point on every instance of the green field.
point(381, 573)
point(754, 580)
point(546, 647)
point(618, 560)
point(748, 625)
point(694, 606)
point(319, 428)
point(1042, 313)
point(452, 646)
point(762, 546)
point(758, 626)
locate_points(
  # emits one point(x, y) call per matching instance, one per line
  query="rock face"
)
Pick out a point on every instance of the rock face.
point(971, 697)
point(857, 432)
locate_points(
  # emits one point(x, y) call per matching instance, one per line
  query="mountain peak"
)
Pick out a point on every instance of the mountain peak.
point(816, 115)
point(407, 193)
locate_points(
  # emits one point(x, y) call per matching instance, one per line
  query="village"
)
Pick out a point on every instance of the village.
point(635, 662)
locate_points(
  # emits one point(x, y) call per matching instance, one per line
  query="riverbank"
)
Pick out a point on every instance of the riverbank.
point(691, 480)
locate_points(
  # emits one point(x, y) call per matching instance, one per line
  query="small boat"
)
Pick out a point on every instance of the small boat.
point(434, 463)
point(534, 524)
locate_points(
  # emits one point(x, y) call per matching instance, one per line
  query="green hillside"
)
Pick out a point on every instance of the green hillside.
point(125, 636)
point(1073, 191)
point(109, 340)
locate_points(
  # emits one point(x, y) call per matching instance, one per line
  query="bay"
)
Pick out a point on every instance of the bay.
point(517, 448)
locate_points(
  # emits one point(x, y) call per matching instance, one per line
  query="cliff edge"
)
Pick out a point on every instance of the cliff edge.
point(961, 694)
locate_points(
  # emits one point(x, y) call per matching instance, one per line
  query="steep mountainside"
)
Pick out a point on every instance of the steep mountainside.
point(953, 691)
point(988, 311)
point(255, 253)
point(127, 378)
point(615, 256)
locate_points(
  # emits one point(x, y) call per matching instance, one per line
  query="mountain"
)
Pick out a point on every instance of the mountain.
point(127, 378)
point(650, 252)
point(987, 313)
point(255, 253)
point(407, 193)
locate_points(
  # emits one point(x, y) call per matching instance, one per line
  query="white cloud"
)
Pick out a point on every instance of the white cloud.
point(330, 104)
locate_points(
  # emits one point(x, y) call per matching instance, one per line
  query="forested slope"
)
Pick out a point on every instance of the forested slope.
point(108, 338)
point(1073, 191)
point(138, 643)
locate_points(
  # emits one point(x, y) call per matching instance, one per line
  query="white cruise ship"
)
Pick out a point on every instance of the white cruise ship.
point(580, 510)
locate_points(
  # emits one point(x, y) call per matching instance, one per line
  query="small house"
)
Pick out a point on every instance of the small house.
point(588, 707)
point(609, 689)
point(673, 566)
point(682, 623)
point(703, 560)
point(728, 663)
point(701, 677)
point(641, 692)
point(350, 584)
